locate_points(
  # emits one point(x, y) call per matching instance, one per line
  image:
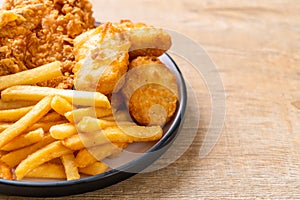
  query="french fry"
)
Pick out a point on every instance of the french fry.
point(5, 171)
point(49, 152)
point(61, 105)
point(15, 104)
point(13, 158)
point(116, 134)
point(24, 140)
point(36, 113)
point(35, 93)
point(4, 126)
point(32, 76)
point(51, 117)
point(71, 170)
point(91, 124)
point(74, 142)
point(75, 116)
point(62, 131)
point(77, 142)
point(47, 170)
point(142, 133)
point(13, 115)
point(86, 157)
point(45, 125)
point(111, 134)
point(119, 116)
point(103, 112)
point(94, 168)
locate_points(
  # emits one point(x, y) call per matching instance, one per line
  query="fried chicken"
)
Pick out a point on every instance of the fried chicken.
point(103, 58)
point(14, 26)
point(20, 21)
point(145, 40)
point(42, 32)
point(103, 53)
point(151, 91)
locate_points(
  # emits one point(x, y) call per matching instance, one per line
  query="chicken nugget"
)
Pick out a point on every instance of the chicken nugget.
point(144, 60)
point(151, 91)
point(102, 56)
point(146, 40)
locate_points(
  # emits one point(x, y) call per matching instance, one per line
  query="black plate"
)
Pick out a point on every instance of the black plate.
point(63, 188)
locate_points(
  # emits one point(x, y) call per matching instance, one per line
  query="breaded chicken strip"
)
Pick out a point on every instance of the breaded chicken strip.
point(146, 40)
point(102, 56)
point(151, 91)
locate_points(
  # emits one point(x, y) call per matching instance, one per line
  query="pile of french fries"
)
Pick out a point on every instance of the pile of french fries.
point(60, 134)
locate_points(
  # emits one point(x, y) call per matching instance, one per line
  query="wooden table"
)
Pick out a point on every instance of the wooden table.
point(256, 47)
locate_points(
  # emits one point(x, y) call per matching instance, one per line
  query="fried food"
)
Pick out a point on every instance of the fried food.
point(61, 105)
point(102, 56)
point(47, 142)
point(43, 32)
point(32, 76)
point(24, 140)
point(41, 156)
point(13, 115)
point(36, 93)
point(21, 20)
point(13, 158)
point(145, 40)
point(89, 156)
point(151, 91)
point(94, 169)
point(76, 115)
point(103, 53)
point(47, 170)
point(45, 136)
point(71, 170)
point(62, 131)
point(5, 171)
point(14, 104)
point(36, 113)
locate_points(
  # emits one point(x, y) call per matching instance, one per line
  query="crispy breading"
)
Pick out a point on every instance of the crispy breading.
point(20, 21)
point(144, 60)
point(102, 53)
point(151, 91)
point(146, 40)
point(12, 53)
point(14, 26)
point(152, 105)
point(102, 56)
point(48, 36)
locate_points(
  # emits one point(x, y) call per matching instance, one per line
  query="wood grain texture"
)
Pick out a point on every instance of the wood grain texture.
point(256, 46)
